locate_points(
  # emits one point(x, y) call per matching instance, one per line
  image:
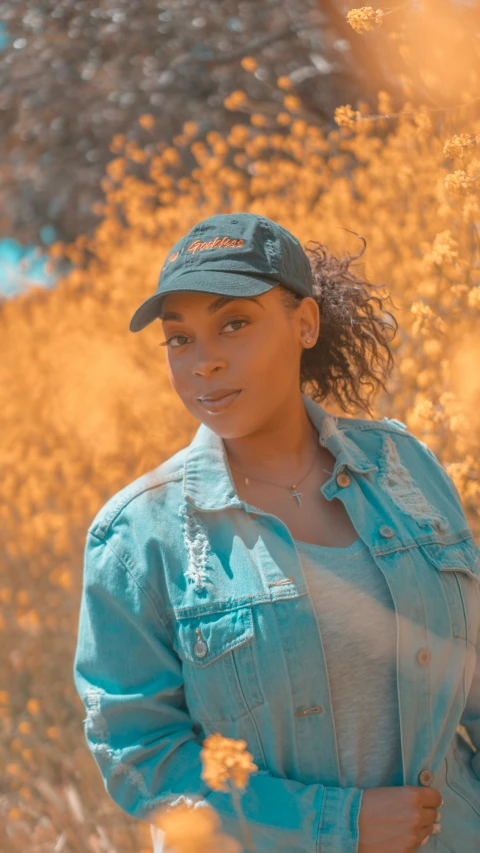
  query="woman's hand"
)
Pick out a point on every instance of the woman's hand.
point(397, 820)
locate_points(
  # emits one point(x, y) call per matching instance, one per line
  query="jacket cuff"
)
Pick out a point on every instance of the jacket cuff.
point(339, 829)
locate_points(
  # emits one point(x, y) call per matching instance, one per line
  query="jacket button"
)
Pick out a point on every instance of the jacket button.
point(426, 777)
point(424, 657)
point(200, 648)
point(386, 532)
point(343, 480)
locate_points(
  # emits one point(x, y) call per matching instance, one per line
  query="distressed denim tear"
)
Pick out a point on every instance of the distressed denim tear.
point(398, 483)
point(98, 734)
point(329, 428)
point(197, 545)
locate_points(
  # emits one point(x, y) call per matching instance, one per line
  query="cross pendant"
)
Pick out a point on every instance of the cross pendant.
point(296, 495)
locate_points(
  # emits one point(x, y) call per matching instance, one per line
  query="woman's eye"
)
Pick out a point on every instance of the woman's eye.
point(234, 323)
point(175, 337)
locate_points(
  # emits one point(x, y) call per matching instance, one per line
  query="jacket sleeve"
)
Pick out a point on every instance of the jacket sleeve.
point(140, 734)
point(470, 718)
point(471, 713)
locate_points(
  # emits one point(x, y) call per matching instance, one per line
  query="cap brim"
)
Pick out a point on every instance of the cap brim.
point(205, 281)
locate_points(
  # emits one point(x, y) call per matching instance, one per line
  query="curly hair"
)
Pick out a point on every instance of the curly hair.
point(352, 348)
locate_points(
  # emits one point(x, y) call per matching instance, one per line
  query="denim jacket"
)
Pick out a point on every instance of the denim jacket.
point(195, 618)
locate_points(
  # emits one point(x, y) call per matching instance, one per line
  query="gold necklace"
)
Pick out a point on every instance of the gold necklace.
point(294, 493)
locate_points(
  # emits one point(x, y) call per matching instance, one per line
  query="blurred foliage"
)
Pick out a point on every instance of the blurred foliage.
point(77, 72)
point(86, 406)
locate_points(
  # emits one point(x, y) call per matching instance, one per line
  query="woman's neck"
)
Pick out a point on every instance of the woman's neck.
point(279, 455)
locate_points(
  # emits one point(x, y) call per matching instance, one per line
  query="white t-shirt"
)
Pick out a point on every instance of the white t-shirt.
point(357, 623)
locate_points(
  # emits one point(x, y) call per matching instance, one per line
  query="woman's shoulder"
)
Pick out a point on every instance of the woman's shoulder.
point(385, 424)
point(385, 430)
point(135, 495)
point(406, 460)
point(387, 436)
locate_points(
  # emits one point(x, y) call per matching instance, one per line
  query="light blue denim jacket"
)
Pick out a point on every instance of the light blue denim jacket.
point(195, 618)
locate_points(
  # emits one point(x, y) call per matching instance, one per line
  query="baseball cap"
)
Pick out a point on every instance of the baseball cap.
point(234, 254)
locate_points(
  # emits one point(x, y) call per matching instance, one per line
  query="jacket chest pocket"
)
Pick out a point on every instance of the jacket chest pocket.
point(459, 568)
point(219, 664)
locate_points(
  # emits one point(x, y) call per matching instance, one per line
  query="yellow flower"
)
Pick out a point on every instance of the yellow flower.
point(33, 706)
point(147, 121)
point(25, 793)
point(455, 146)
point(423, 316)
point(240, 160)
point(471, 209)
point(362, 20)
point(238, 135)
point(444, 249)
point(23, 596)
point(284, 83)
point(190, 128)
point(433, 347)
point(139, 156)
point(459, 423)
point(292, 103)
point(459, 182)
point(473, 298)
point(171, 157)
point(249, 63)
point(226, 760)
point(346, 117)
point(179, 140)
point(259, 120)
point(299, 127)
point(213, 136)
point(425, 410)
point(6, 595)
point(118, 142)
point(423, 122)
point(65, 579)
point(473, 168)
point(193, 828)
point(384, 102)
point(53, 733)
point(234, 99)
point(425, 379)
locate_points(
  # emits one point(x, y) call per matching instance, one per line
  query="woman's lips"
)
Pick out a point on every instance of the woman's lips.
point(214, 406)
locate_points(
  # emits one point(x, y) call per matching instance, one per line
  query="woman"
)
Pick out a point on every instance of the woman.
point(305, 582)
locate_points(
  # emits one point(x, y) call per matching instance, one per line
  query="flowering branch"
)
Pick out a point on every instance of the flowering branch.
point(226, 767)
point(362, 20)
point(245, 831)
point(346, 117)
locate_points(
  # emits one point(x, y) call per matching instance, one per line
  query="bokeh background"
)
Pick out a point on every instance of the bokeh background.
point(121, 125)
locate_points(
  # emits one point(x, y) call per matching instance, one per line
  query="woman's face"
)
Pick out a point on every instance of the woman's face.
point(252, 345)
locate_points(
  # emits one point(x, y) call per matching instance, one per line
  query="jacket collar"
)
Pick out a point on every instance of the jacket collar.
point(207, 482)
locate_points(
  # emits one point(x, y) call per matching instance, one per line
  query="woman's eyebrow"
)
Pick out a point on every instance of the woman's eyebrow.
point(212, 308)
